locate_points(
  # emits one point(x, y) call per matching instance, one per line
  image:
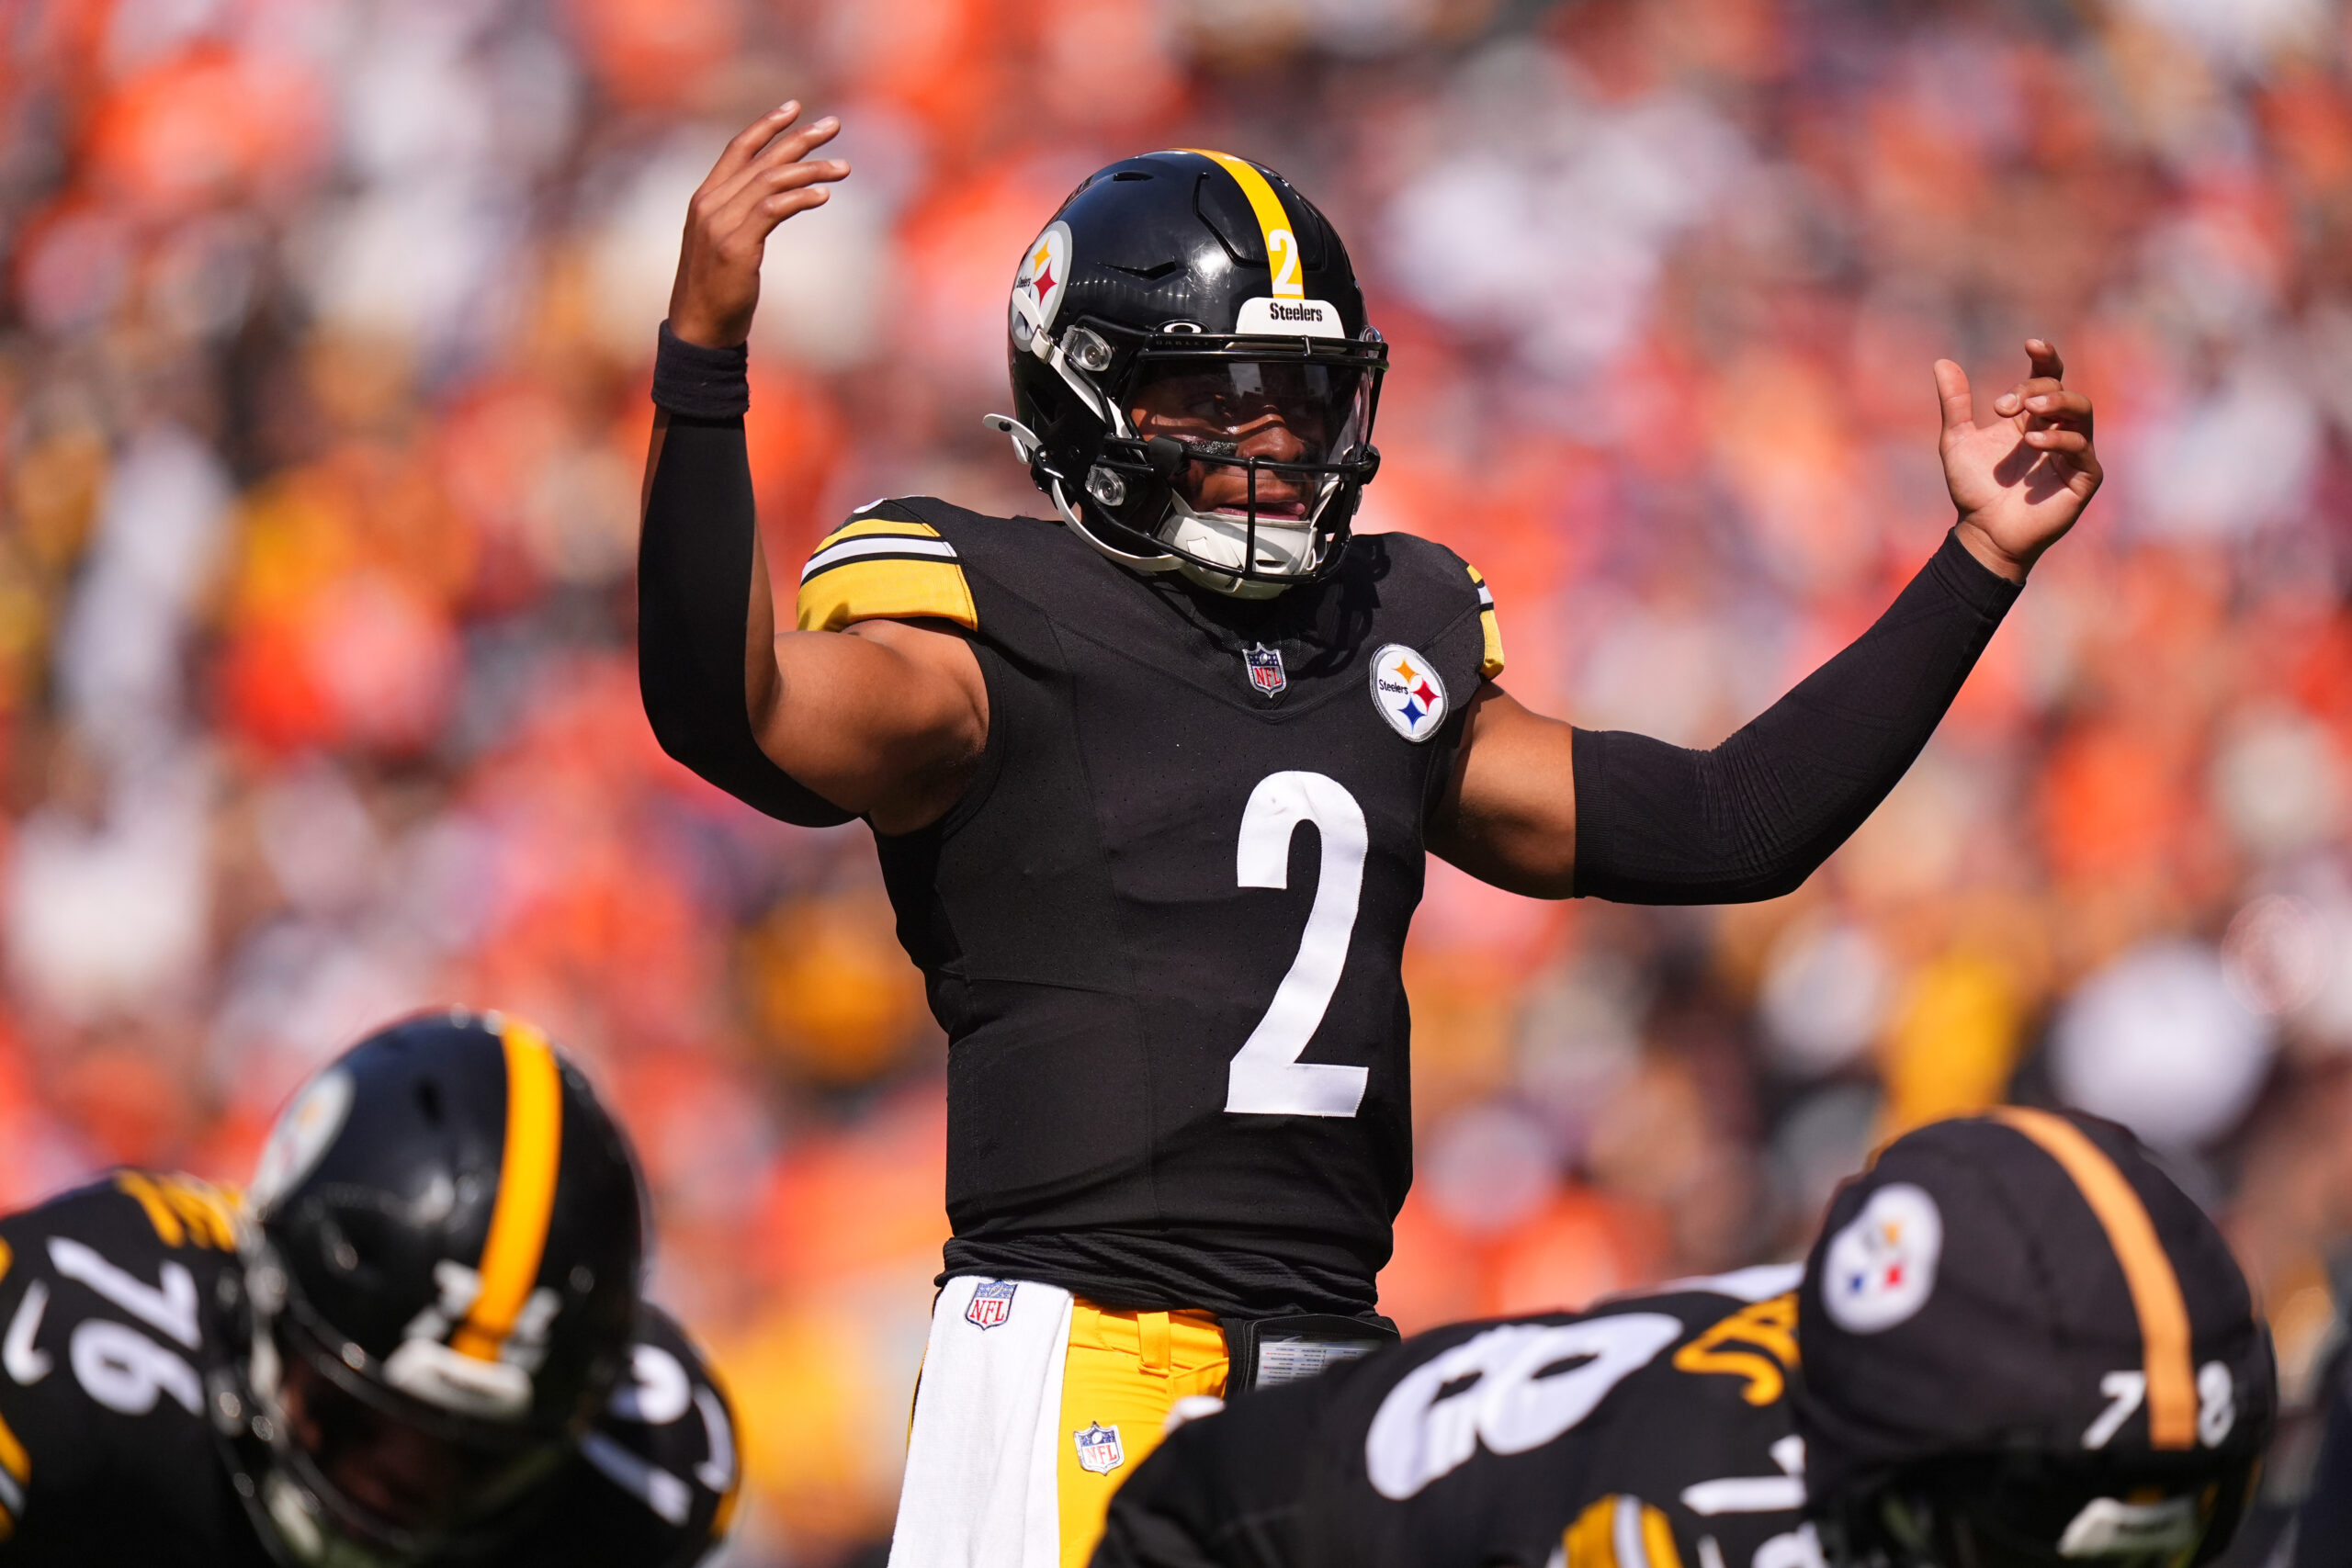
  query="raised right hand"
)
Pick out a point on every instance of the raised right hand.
point(762, 178)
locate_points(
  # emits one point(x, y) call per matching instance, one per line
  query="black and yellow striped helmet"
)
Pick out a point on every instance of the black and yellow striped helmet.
point(1201, 279)
point(443, 1278)
point(2022, 1343)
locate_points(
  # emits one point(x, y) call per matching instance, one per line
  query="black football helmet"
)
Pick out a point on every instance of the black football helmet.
point(442, 1267)
point(2024, 1346)
point(1193, 379)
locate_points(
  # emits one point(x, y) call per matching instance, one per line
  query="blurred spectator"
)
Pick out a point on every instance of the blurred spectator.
point(322, 409)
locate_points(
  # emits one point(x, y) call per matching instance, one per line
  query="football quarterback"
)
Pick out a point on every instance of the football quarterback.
point(2016, 1343)
point(1153, 779)
point(417, 1339)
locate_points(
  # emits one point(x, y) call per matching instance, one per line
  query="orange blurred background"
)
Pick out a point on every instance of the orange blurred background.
point(327, 332)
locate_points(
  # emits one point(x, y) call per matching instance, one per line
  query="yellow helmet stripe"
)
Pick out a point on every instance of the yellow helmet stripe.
point(1282, 245)
point(526, 1173)
point(2147, 1272)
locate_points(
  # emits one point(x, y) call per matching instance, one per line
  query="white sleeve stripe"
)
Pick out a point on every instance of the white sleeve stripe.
point(1625, 1533)
point(12, 1496)
point(1745, 1494)
point(874, 544)
point(1486, 596)
point(648, 1483)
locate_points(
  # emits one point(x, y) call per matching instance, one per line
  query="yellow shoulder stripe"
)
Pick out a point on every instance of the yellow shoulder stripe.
point(16, 1475)
point(869, 588)
point(1283, 265)
point(869, 527)
point(183, 1209)
point(2148, 1272)
point(1491, 662)
point(1620, 1531)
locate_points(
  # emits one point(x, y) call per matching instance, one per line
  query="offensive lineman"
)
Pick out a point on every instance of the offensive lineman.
point(1178, 1117)
point(2016, 1343)
point(423, 1343)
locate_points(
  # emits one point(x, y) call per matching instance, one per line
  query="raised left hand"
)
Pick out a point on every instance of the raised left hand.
point(2022, 480)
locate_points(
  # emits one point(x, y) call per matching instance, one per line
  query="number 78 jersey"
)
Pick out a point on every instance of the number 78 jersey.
point(1652, 1432)
point(1163, 929)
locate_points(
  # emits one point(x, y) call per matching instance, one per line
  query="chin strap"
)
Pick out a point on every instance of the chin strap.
point(1032, 452)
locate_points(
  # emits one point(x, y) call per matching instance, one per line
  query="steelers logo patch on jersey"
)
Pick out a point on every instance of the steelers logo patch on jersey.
point(1408, 691)
point(1038, 287)
point(1880, 1269)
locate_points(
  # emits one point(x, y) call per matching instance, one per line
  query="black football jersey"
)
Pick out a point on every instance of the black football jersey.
point(1651, 1432)
point(114, 1325)
point(1163, 927)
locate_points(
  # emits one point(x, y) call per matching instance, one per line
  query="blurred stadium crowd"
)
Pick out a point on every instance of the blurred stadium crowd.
point(322, 401)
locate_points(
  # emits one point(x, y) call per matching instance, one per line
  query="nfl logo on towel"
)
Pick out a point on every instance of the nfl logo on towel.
point(1099, 1450)
point(991, 1303)
point(1265, 669)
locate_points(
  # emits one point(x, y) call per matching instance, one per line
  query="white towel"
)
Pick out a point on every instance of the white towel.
point(983, 1460)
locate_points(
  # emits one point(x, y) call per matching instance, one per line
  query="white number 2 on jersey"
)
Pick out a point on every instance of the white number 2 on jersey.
point(1266, 1078)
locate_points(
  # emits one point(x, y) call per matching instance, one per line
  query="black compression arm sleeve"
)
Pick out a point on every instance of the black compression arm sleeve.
point(693, 596)
point(1753, 818)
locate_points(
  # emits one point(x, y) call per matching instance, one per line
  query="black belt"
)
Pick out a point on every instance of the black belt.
point(1264, 1352)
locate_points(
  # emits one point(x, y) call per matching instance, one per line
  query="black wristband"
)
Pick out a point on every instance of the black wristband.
point(698, 382)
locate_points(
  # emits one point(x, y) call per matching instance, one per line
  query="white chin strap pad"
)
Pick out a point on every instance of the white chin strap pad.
point(1283, 546)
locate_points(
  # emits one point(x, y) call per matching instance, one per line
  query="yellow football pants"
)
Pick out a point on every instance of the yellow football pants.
point(1126, 1369)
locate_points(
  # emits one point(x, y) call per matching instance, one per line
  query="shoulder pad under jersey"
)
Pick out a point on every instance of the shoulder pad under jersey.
point(107, 1307)
point(665, 1442)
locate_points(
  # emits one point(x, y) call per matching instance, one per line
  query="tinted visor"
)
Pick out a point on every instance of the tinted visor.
point(1283, 411)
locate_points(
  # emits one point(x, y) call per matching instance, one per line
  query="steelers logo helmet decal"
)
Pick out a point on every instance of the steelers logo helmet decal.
point(1881, 1268)
point(1408, 691)
point(1037, 288)
point(302, 1137)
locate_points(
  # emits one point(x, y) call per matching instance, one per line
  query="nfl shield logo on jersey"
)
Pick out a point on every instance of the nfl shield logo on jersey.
point(991, 1303)
point(1407, 691)
point(1099, 1450)
point(1266, 670)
